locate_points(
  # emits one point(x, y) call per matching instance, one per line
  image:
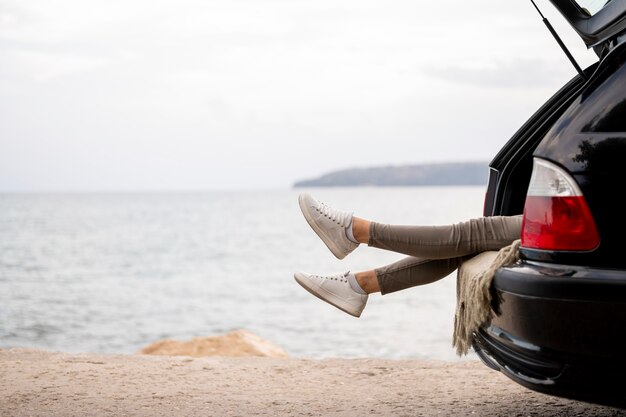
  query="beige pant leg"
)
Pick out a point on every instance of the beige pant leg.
point(448, 241)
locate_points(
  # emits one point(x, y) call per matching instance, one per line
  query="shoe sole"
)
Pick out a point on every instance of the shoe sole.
point(324, 295)
point(328, 241)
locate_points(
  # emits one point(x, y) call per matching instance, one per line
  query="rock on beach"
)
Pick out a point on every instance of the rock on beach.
point(236, 343)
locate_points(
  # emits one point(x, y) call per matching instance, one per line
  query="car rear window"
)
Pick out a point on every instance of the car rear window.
point(592, 7)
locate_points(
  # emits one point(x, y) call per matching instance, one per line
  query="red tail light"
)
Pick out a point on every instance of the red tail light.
point(556, 215)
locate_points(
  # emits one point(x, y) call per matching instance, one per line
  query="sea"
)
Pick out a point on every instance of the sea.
point(114, 272)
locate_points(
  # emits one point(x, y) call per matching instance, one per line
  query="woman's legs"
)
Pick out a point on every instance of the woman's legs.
point(440, 242)
point(434, 251)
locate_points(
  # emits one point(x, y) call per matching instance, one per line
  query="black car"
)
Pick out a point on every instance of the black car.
point(559, 322)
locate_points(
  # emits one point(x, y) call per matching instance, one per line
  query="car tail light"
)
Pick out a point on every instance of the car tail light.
point(556, 215)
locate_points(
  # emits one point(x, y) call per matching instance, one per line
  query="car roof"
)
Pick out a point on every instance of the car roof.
point(594, 29)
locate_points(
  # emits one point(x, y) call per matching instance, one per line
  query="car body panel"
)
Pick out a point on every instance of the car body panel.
point(593, 127)
point(563, 310)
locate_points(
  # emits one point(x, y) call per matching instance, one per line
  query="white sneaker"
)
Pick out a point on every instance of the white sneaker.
point(329, 224)
point(335, 290)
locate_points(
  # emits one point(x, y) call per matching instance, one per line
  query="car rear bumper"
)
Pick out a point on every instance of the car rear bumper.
point(559, 330)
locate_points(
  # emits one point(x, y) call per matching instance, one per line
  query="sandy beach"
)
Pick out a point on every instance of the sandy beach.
point(41, 383)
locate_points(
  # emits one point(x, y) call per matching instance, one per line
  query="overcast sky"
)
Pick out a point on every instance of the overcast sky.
point(242, 94)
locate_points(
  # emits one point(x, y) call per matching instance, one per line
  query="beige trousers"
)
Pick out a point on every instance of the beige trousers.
point(436, 251)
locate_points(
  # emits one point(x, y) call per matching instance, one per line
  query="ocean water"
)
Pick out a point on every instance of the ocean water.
point(111, 273)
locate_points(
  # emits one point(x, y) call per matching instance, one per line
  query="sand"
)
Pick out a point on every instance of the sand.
point(40, 383)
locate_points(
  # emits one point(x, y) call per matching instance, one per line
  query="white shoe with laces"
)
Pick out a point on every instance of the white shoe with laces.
point(335, 290)
point(329, 224)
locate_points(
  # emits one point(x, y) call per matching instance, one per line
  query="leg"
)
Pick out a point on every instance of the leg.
point(368, 281)
point(441, 242)
point(411, 272)
point(406, 273)
point(342, 233)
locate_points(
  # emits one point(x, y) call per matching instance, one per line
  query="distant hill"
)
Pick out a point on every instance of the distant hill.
point(453, 173)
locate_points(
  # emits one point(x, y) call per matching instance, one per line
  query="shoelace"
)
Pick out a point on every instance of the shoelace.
point(338, 277)
point(342, 218)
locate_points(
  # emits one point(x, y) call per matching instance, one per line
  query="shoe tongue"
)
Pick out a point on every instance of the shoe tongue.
point(343, 218)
